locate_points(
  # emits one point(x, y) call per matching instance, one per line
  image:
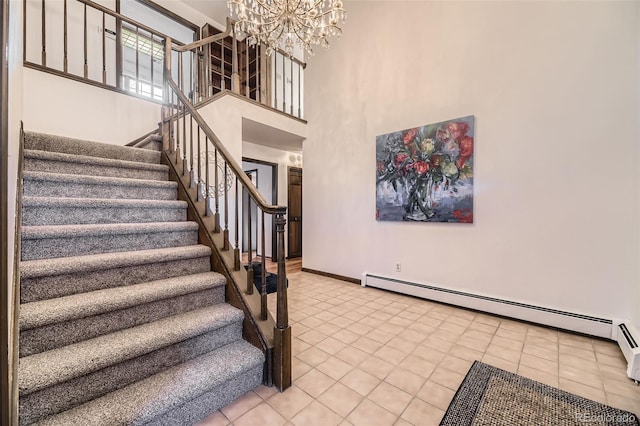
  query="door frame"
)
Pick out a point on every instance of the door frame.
point(274, 196)
point(289, 168)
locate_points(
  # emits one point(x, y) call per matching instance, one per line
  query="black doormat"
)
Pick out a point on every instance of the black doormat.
point(491, 396)
point(271, 281)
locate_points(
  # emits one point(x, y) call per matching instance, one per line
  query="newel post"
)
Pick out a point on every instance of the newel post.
point(166, 107)
point(282, 331)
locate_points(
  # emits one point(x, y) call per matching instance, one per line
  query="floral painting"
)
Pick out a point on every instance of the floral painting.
point(425, 174)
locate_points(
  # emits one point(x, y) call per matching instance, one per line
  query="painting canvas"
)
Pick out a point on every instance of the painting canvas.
point(425, 174)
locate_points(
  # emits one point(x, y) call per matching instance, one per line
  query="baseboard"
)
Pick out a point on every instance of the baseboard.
point(584, 324)
point(330, 275)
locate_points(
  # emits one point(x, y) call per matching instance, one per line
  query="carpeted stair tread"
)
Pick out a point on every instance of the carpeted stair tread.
point(44, 142)
point(150, 399)
point(92, 161)
point(66, 210)
point(44, 184)
point(38, 314)
point(46, 369)
point(77, 264)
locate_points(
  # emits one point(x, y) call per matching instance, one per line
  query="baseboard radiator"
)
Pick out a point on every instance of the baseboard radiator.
point(628, 338)
point(594, 326)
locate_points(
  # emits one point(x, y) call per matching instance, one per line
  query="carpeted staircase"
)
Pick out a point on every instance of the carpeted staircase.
point(121, 319)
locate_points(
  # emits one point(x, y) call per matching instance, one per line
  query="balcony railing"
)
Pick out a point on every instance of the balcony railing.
point(88, 42)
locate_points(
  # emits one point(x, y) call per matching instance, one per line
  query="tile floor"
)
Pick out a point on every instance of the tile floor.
point(363, 356)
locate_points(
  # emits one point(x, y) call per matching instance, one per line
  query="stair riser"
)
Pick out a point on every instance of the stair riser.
point(38, 188)
point(65, 333)
point(47, 248)
point(50, 215)
point(61, 397)
point(49, 287)
point(72, 168)
point(207, 403)
point(66, 145)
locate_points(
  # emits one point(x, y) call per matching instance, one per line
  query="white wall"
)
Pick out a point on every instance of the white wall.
point(66, 107)
point(554, 89)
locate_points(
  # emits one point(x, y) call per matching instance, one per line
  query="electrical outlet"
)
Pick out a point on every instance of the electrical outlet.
point(398, 267)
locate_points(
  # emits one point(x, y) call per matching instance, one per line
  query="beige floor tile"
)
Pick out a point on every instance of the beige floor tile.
point(390, 398)
point(241, 405)
point(313, 356)
point(391, 329)
point(335, 368)
point(436, 394)
point(371, 321)
point(368, 413)
point(478, 335)
point(340, 399)
point(514, 345)
point(485, 328)
point(314, 383)
point(311, 322)
point(437, 343)
point(581, 375)
point(325, 316)
point(290, 402)
point(346, 336)
point(367, 345)
point(466, 353)
point(539, 363)
point(351, 355)
point(380, 336)
point(464, 322)
point(487, 319)
point(448, 378)
point(617, 361)
point(632, 405)
point(263, 414)
point(580, 363)
point(328, 329)
point(606, 371)
point(412, 336)
point(518, 336)
point(411, 316)
point(541, 352)
point(405, 380)
point(214, 419)
point(376, 367)
point(542, 342)
point(316, 414)
point(298, 346)
point(452, 328)
point(456, 364)
point(504, 353)
point(500, 363)
point(265, 392)
point(391, 354)
point(418, 366)
point(429, 354)
point(538, 376)
point(360, 381)
point(606, 347)
point(402, 344)
point(421, 413)
point(625, 388)
point(331, 346)
point(360, 329)
point(582, 390)
point(587, 354)
point(581, 342)
point(471, 343)
point(299, 368)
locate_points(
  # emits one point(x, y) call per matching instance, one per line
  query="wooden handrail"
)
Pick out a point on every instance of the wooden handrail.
point(233, 165)
point(205, 41)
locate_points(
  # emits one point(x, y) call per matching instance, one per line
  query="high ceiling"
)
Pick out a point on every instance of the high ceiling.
point(216, 9)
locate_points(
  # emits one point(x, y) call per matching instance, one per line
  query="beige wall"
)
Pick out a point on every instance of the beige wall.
point(554, 89)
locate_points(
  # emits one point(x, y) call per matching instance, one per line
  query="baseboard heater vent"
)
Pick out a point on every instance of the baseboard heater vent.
point(627, 338)
point(586, 324)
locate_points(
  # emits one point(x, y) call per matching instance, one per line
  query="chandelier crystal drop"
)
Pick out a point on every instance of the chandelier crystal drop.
point(284, 23)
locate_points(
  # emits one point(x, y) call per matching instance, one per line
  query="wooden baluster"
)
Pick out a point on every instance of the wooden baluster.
point(168, 132)
point(282, 331)
point(44, 34)
point(191, 176)
point(199, 180)
point(235, 77)
point(225, 234)
point(236, 251)
point(263, 293)
point(104, 51)
point(250, 247)
point(207, 199)
point(138, 87)
point(65, 65)
point(178, 131)
point(86, 64)
point(216, 216)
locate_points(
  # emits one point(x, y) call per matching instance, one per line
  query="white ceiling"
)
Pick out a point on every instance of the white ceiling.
point(215, 9)
point(261, 134)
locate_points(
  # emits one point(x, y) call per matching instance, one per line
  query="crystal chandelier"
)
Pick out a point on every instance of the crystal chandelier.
point(283, 23)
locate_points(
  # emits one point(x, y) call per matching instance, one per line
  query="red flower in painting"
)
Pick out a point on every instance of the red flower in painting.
point(380, 166)
point(421, 167)
point(463, 216)
point(409, 136)
point(377, 214)
point(457, 129)
point(400, 158)
point(435, 160)
point(466, 151)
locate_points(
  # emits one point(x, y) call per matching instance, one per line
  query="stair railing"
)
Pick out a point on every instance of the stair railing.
point(193, 150)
